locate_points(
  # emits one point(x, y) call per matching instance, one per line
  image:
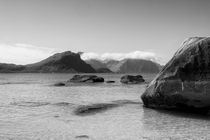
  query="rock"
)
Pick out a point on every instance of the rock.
point(129, 79)
point(59, 84)
point(110, 81)
point(98, 79)
point(86, 78)
point(94, 108)
point(184, 82)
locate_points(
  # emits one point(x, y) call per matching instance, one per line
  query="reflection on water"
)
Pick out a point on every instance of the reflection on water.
point(34, 109)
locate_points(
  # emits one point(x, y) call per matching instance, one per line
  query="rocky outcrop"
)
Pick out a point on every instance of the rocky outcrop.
point(130, 79)
point(86, 79)
point(184, 82)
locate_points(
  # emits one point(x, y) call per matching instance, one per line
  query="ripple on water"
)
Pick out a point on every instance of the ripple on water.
point(39, 104)
point(29, 104)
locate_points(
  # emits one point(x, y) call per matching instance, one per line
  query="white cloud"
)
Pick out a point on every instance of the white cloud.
point(23, 53)
point(120, 56)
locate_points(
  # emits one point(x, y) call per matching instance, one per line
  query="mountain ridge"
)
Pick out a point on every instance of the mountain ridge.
point(127, 65)
point(70, 62)
point(65, 62)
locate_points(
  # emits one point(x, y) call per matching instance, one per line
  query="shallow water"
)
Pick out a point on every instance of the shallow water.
point(31, 108)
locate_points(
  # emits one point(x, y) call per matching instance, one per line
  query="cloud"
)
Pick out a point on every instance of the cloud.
point(120, 56)
point(23, 53)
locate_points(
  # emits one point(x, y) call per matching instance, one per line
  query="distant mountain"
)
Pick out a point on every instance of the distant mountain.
point(127, 65)
point(137, 66)
point(10, 68)
point(61, 62)
point(69, 62)
point(96, 64)
point(103, 70)
point(99, 66)
point(113, 65)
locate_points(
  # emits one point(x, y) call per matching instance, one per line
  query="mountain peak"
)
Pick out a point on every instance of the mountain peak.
point(67, 62)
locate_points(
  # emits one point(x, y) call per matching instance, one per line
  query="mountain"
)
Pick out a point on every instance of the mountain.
point(127, 65)
point(10, 68)
point(137, 66)
point(67, 62)
point(61, 62)
point(96, 64)
point(99, 66)
point(113, 65)
point(103, 70)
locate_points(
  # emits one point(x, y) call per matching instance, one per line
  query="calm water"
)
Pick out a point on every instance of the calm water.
point(32, 109)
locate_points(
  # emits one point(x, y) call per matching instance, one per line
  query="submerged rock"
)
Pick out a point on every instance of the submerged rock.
point(110, 81)
point(130, 79)
point(82, 137)
point(84, 110)
point(60, 84)
point(92, 109)
point(86, 78)
point(184, 82)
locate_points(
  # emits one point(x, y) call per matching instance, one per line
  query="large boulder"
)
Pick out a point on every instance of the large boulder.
point(130, 79)
point(86, 78)
point(184, 82)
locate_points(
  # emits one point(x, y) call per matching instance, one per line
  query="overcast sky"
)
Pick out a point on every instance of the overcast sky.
point(30, 30)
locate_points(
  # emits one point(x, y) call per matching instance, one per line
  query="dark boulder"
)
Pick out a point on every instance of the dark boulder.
point(86, 78)
point(184, 82)
point(130, 79)
point(98, 79)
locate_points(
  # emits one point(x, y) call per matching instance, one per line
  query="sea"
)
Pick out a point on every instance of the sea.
point(32, 108)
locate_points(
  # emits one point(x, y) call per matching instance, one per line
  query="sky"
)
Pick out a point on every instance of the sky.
point(31, 30)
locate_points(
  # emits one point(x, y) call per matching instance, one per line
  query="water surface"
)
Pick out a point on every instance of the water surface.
point(31, 108)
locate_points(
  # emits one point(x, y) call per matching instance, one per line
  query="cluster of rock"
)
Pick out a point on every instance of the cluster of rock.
point(127, 79)
point(184, 82)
